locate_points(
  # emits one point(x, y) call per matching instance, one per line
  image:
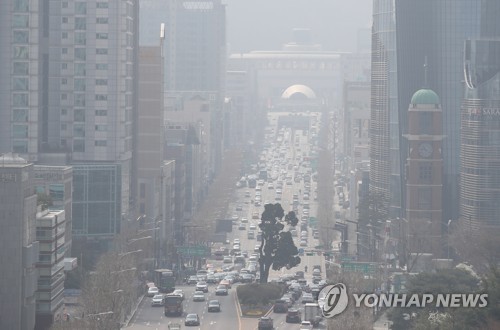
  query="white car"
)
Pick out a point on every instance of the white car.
point(199, 296)
point(179, 292)
point(306, 325)
point(152, 291)
point(157, 300)
point(236, 241)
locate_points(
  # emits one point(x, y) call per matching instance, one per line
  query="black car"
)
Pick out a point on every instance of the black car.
point(293, 316)
point(192, 320)
point(280, 306)
point(221, 291)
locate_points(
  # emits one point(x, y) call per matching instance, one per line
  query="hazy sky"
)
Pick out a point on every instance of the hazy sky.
point(267, 24)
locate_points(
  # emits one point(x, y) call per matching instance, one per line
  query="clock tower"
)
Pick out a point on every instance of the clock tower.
point(424, 166)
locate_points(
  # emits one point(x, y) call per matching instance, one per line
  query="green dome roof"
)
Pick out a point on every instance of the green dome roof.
point(425, 96)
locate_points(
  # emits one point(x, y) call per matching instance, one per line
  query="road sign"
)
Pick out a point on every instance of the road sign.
point(194, 250)
point(359, 267)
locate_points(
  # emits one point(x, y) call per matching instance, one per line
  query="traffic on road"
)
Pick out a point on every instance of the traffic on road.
point(283, 174)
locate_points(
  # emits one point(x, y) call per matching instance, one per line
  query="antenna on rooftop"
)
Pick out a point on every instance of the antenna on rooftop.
point(426, 69)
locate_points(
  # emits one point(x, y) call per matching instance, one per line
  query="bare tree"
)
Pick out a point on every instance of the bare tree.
point(219, 194)
point(326, 190)
point(353, 318)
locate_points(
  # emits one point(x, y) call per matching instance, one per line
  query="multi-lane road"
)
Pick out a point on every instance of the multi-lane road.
point(148, 317)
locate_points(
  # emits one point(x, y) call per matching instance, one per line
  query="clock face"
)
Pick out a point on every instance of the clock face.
point(425, 150)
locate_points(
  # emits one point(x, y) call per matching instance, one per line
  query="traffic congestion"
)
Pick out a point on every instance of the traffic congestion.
point(284, 174)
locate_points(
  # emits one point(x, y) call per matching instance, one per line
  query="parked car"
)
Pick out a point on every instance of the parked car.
point(213, 306)
point(192, 320)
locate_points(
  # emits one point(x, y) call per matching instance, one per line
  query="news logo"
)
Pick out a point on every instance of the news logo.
point(336, 299)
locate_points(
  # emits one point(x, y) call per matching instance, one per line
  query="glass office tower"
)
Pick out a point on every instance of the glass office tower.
point(480, 142)
point(405, 34)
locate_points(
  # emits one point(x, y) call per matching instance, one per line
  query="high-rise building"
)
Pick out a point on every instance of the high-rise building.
point(480, 141)
point(21, 29)
point(18, 245)
point(404, 34)
point(196, 45)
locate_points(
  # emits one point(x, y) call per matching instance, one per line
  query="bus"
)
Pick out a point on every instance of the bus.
point(164, 280)
point(252, 183)
point(173, 305)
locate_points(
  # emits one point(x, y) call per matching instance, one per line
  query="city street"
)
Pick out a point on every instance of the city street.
point(244, 206)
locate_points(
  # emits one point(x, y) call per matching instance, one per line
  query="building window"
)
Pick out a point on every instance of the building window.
point(101, 97)
point(101, 82)
point(64, 4)
point(80, 23)
point(20, 21)
point(20, 52)
point(80, 100)
point(101, 113)
point(101, 128)
point(424, 198)
point(101, 51)
point(63, 127)
point(20, 37)
point(101, 20)
point(64, 66)
point(56, 192)
point(425, 173)
point(20, 100)
point(64, 81)
point(102, 5)
point(101, 36)
point(64, 112)
point(20, 68)
point(64, 20)
point(78, 145)
point(80, 38)
point(79, 130)
point(20, 115)
point(64, 96)
point(80, 84)
point(80, 69)
point(79, 115)
point(20, 84)
point(80, 54)
point(64, 35)
point(100, 143)
point(80, 8)
point(101, 66)
point(19, 131)
point(20, 147)
point(21, 6)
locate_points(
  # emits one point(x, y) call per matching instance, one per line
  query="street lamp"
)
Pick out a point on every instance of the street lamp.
point(138, 239)
point(121, 255)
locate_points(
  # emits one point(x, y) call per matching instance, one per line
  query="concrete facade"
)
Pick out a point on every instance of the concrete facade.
point(18, 245)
